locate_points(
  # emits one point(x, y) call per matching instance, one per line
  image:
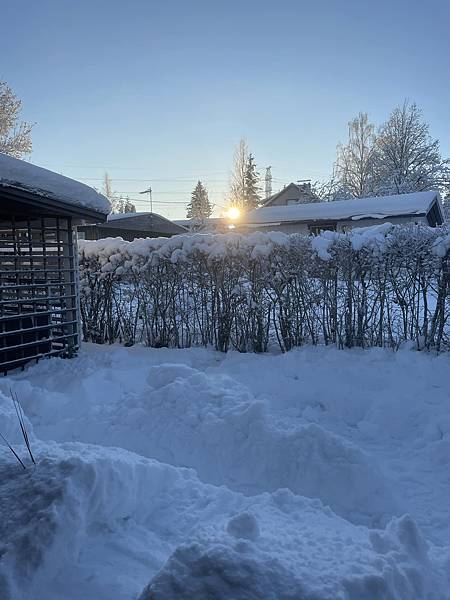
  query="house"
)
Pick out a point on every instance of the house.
point(130, 226)
point(294, 193)
point(210, 225)
point(39, 297)
point(312, 218)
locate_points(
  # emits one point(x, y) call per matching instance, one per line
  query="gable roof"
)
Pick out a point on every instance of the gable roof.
point(294, 187)
point(144, 222)
point(379, 207)
point(29, 183)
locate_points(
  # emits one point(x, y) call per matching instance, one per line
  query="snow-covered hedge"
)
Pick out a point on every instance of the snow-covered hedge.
point(377, 286)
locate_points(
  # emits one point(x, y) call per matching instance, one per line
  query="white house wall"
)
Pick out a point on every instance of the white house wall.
point(343, 225)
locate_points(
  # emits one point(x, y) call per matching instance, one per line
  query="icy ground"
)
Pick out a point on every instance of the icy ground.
point(315, 475)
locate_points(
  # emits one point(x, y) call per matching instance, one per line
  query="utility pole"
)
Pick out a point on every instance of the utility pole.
point(268, 183)
point(149, 192)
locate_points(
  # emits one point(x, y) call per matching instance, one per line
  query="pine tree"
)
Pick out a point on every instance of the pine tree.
point(252, 198)
point(128, 206)
point(199, 208)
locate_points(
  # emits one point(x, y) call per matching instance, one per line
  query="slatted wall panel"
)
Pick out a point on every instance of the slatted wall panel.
point(38, 290)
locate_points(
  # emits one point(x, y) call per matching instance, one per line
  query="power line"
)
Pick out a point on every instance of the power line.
point(174, 180)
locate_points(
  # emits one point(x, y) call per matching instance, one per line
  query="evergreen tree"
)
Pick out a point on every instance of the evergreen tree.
point(252, 198)
point(199, 208)
point(128, 206)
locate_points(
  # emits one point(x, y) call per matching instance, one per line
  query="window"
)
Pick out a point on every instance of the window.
point(317, 229)
point(291, 201)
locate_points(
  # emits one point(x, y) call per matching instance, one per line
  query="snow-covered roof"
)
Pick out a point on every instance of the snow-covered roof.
point(21, 175)
point(209, 221)
point(116, 216)
point(146, 222)
point(380, 207)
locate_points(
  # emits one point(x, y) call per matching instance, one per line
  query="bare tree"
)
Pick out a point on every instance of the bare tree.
point(15, 135)
point(117, 203)
point(408, 159)
point(238, 175)
point(354, 167)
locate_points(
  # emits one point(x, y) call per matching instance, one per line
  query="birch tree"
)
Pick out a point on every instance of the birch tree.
point(15, 135)
point(355, 163)
point(238, 175)
point(407, 157)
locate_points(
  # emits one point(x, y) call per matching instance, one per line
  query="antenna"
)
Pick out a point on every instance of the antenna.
point(149, 192)
point(268, 183)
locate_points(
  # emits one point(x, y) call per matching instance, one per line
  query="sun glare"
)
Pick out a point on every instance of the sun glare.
point(233, 213)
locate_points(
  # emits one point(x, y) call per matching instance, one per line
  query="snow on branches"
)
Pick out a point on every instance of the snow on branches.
point(377, 286)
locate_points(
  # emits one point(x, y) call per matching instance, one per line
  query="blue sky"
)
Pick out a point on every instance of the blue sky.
point(163, 91)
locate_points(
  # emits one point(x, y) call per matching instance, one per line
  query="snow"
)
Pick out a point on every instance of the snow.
point(26, 176)
point(380, 207)
point(319, 474)
point(115, 216)
point(122, 257)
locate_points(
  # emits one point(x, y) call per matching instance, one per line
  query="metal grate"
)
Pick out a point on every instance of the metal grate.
point(38, 290)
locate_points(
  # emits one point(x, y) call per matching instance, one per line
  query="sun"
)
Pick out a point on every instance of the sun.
point(233, 213)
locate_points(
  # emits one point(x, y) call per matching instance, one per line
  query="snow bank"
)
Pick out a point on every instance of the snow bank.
point(94, 522)
point(213, 424)
point(26, 176)
point(390, 565)
point(323, 454)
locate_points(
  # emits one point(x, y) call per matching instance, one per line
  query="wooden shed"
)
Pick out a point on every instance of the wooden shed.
point(39, 299)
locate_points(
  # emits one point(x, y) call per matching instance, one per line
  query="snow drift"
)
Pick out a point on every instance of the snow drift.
point(213, 424)
point(299, 488)
point(91, 522)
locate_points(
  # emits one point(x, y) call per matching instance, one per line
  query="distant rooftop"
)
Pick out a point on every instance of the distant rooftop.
point(380, 207)
point(143, 222)
point(188, 222)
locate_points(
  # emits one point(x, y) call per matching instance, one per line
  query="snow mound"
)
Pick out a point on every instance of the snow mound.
point(213, 424)
point(93, 522)
point(389, 566)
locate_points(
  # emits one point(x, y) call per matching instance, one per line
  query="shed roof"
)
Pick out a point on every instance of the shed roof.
point(50, 189)
point(380, 207)
point(145, 222)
